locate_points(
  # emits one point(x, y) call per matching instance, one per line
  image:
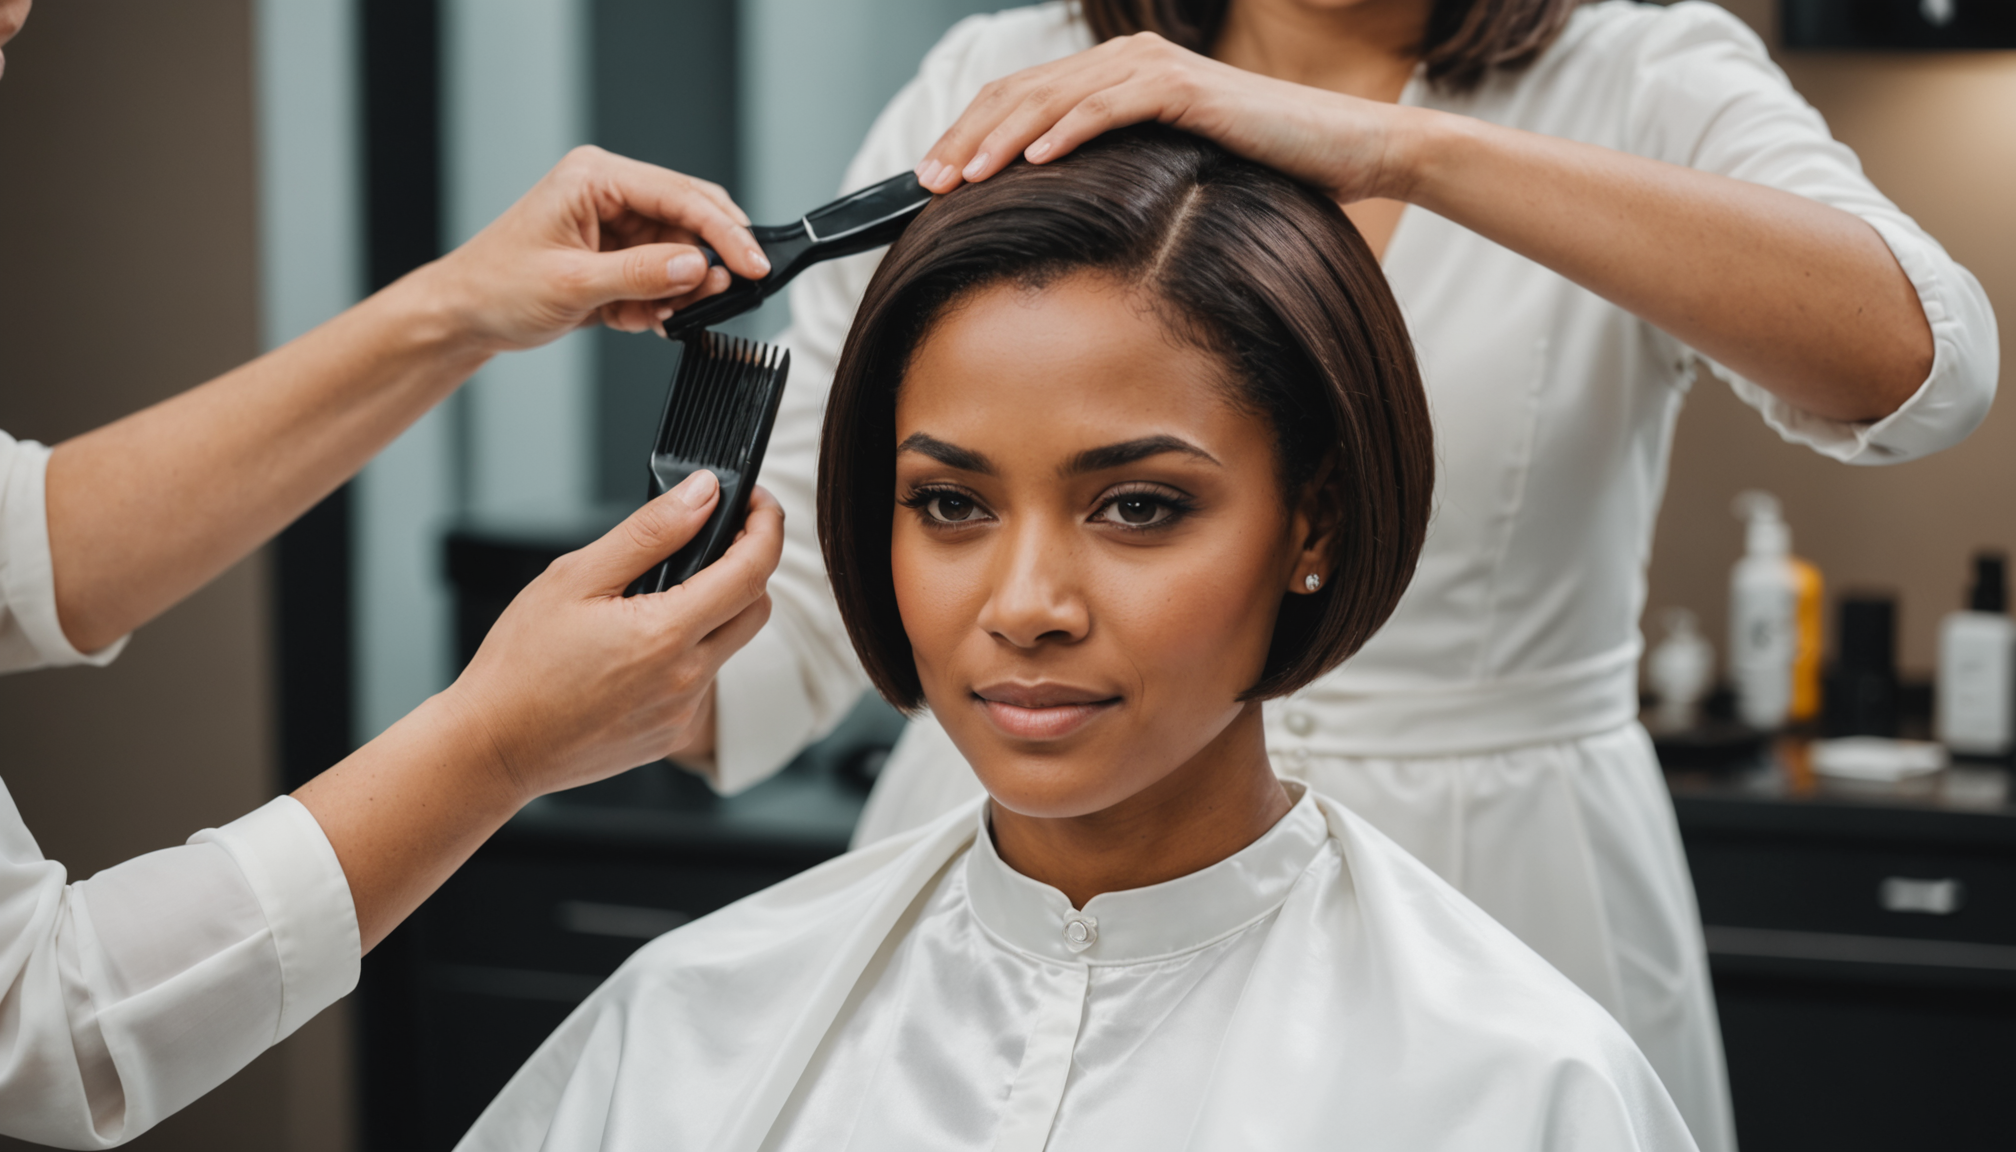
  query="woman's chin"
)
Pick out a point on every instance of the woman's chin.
point(1053, 778)
point(1047, 797)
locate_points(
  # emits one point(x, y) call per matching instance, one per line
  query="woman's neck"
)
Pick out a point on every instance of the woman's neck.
point(1367, 49)
point(1217, 803)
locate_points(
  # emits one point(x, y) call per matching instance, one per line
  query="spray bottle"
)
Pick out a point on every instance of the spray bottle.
point(1774, 621)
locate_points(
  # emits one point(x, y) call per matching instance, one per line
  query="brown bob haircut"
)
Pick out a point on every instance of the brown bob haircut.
point(1465, 40)
point(1264, 273)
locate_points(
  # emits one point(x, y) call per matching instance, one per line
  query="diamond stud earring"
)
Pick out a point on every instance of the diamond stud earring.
point(1312, 581)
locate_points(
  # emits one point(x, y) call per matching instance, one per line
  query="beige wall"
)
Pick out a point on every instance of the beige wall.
point(1938, 134)
point(128, 273)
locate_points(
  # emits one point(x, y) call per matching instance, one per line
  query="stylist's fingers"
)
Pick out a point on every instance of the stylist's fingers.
point(650, 315)
point(959, 146)
point(646, 537)
point(1127, 90)
point(699, 206)
point(646, 272)
point(731, 636)
point(1132, 102)
point(719, 195)
point(1010, 113)
point(715, 594)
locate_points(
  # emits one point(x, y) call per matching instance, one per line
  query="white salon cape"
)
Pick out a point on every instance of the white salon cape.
point(1319, 989)
point(126, 996)
point(1490, 727)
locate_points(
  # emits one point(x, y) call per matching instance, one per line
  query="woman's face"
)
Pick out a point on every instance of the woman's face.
point(1090, 543)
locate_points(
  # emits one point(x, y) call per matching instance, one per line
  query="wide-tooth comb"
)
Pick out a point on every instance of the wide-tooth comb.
point(718, 414)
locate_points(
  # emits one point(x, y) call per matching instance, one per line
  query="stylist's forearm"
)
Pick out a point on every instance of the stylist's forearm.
point(1803, 298)
point(409, 808)
point(146, 510)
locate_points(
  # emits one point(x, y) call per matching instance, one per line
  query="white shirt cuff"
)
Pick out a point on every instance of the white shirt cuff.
point(27, 575)
point(294, 873)
point(762, 714)
point(1953, 399)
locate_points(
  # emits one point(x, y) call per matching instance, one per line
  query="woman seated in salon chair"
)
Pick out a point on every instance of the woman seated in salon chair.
point(1119, 448)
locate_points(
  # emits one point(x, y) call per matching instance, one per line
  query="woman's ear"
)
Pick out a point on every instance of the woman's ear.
point(1314, 523)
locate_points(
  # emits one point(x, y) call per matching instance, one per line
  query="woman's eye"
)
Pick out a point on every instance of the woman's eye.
point(1137, 511)
point(951, 508)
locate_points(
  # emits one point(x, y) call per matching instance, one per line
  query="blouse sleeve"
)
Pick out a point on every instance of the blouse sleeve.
point(128, 995)
point(800, 676)
point(1704, 93)
point(30, 636)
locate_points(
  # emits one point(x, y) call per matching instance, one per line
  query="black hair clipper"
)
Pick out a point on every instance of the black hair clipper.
point(860, 222)
point(725, 392)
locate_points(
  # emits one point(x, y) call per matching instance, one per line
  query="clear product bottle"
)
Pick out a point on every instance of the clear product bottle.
point(1774, 621)
point(1977, 667)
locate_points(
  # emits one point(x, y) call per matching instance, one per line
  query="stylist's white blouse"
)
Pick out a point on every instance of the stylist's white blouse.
point(126, 996)
point(1490, 727)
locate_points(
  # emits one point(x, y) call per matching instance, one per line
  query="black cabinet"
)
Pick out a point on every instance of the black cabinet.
point(1863, 946)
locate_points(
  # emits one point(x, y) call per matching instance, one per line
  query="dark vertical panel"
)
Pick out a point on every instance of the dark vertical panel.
point(400, 66)
point(311, 605)
point(402, 150)
point(664, 81)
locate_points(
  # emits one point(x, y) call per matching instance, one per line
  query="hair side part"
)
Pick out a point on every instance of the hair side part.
point(1466, 39)
point(1266, 274)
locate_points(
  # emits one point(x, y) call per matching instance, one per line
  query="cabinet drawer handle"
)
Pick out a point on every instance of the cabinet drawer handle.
point(1928, 897)
point(628, 921)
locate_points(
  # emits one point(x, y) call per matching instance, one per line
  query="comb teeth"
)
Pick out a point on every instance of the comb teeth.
point(712, 416)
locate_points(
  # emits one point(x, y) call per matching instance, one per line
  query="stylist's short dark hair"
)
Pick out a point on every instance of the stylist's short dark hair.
point(1263, 272)
point(1466, 38)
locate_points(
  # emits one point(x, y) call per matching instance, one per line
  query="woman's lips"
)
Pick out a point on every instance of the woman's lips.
point(1042, 711)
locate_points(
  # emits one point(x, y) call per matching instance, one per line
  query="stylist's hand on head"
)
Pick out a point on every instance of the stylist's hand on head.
point(600, 237)
point(574, 683)
point(1347, 146)
point(1824, 317)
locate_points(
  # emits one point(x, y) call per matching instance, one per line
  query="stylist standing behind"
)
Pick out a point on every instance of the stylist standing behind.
point(128, 995)
point(1575, 205)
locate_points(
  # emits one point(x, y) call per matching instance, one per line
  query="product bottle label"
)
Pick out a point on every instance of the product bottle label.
point(1762, 641)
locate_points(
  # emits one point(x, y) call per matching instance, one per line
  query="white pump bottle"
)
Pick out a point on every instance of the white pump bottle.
point(1774, 614)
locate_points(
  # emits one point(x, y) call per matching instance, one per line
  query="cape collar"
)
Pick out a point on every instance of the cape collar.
point(1140, 924)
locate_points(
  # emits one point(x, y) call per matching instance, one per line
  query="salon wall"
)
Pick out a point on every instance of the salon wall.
point(1934, 132)
point(128, 271)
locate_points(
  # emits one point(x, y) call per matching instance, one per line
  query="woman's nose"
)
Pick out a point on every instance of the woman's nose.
point(1035, 598)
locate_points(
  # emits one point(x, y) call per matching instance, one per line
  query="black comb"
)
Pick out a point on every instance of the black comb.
point(718, 416)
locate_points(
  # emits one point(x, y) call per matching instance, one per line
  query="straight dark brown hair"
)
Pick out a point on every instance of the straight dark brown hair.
point(1466, 39)
point(1264, 273)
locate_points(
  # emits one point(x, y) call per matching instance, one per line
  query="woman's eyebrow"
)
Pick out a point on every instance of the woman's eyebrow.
point(1131, 452)
point(950, 455)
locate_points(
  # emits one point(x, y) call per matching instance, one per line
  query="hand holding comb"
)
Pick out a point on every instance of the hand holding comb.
point(725, 392)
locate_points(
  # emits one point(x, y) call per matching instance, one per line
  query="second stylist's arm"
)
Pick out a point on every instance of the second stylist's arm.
point(147, 509)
